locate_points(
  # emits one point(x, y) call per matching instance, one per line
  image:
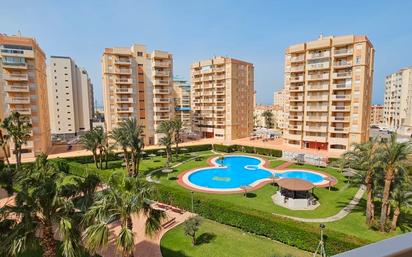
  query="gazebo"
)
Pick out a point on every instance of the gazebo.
point(295, 194)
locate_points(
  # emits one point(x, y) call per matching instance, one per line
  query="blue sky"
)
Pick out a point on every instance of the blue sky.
point(255, 31)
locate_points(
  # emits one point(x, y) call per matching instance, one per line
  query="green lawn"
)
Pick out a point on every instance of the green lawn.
point(215, 239)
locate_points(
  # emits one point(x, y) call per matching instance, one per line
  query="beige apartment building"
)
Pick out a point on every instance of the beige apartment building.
point(137, 84)
point(23, 89)
point(222, 98)
point(398, 101)
point(329, 85)
point(376, 115)
point(281, 105)
point(70, 94)
point(181, 96)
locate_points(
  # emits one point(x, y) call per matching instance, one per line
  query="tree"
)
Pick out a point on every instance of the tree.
point(18, 129)
point(177, 129)
point(39, 206)
point(191, 226)
point(393, 159)
point(401, 197)
point(268, 116)
point(134, 133)
point(121, 140)
point(166, 128)
point(90, 142)
point(124, 197)
point(364, 158)
point(4, 140)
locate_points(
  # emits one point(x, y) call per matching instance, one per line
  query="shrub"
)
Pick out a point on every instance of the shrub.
point(298, 234)
point(224, 148)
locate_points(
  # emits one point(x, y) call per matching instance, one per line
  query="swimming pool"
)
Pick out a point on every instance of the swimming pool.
point(236, 171)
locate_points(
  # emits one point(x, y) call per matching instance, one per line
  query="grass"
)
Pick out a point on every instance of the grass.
point(215, 239)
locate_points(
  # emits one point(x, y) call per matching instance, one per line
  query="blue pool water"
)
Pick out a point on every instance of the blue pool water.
point(239, 171)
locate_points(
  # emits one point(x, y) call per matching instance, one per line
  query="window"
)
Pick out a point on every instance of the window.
point(139, 54)
point(358, 60)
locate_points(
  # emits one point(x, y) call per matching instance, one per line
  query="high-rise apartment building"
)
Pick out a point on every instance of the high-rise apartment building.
point(376, 115)
point(23, 89)
point(329, 84)
point(137, 84)
point(181, 96)
point(222, 98)
point(398, 101)
point(70, 94)
point(279, 103)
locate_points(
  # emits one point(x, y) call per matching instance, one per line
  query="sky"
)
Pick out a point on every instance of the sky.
point(254, 31)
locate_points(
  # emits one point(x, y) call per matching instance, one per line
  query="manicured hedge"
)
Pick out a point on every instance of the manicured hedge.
point(247, 149)
point(224, 148)
point(298, 234)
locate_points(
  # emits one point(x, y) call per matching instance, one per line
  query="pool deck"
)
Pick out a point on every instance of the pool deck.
point(183, 177)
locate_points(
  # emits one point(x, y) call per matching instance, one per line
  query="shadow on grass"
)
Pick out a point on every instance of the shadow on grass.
point(205, 238)
point(250, 195)
point(166, 252)
point(173, 178)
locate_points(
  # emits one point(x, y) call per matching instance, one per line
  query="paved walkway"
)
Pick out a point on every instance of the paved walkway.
point(338, 216)
point(283, 166)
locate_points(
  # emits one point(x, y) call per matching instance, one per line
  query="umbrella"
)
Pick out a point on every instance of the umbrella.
point(167, 171)
point(184, 149)
point(143, 153)
point(245, 189)
point(152, 155)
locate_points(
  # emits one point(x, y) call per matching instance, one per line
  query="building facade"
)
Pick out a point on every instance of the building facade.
point(259, 118)
point(328, 83)
point(181, 96)
point(222, 98)
point(398, 101)
point(23, 89)
point(279, 103)
point(137, 84)
point(377, 115)
point(70, 94)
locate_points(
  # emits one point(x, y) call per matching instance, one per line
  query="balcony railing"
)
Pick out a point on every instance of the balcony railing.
point(124, 90)
point(16, 77)
point(319, 55)
point(341, 97)
point(318, 76)
point(299, 58)
point(125, 109)
point(342, 74)
point(18, 100)
point(340, 108)
point(123, 81)
point(14, 88)
point(343, 51)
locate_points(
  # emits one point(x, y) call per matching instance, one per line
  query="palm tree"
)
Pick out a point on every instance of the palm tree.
point(39, 206)
point(121, 140)
point(125, 196)
point(93, 140)
point(134, 133)
point(268, 116)
point(4, 140)
point(401, 197)
point(393, 160)
point(364, 158)
point(18, 128)
point(177, 128)
point(166, 128)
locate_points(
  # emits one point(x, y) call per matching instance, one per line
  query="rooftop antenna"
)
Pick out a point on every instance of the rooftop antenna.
point(321, 36)
point(19, 33)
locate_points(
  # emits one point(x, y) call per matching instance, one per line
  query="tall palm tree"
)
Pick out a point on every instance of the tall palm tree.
point(39, 206)
point(166, 128)
point(92, 142)
point(177, 129)
point(364, 158)
point(18, 129)
point(134, 133)
point(101, 139)
point(401, 197)
point(268, 116)
point(394, 158)
point(121, 140)
point(4, 140)
point(125, 196)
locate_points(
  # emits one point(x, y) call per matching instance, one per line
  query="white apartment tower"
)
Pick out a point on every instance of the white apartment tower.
point(70, 95)
point(398, 101)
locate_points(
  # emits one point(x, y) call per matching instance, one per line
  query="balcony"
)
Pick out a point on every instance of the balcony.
point(161, 117)
point(296, 108)
point(122, 62)
point(316, 118)
point(163, 64)
point(124, 109)
point(340, 119)
point(299, 68)
point(22, 111)
point(320, 55)
point(342, 75)
point(299, 58)
point(221, 77)
point(161, 82)
point(342, 86)
point(18, 100)
point(124, 100)
point(16, 77)
point(14, 65)
point(290, 136)
point(343, 52)
point(161, 100)
point(315, 108)
point(316, 128)
point(124, 90)
point(15, 88)
point(220, 93)
point(161, 91)
point(220, 108)
point(220, 69)
point(207, 78)
point(123, 71)
point(318, 76)
point(341, 108)
point(295, 127)
point(341, 97)
point(342, 64)
point(318, 66)
point(296, 118)
point(122, 119)
point(319, 139)
point(196, 72)
point(161, 109)
point(339, 130)
point(296, 79)
point(317, 98)
point(317, 87)
point(18, 53)
point(296, 98)
point(161, 73)
point(296, 89)
point(123, 81)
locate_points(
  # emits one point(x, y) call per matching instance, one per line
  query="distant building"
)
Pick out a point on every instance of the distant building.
point(398, 101)
point(70, 94)
point(137, 84)
point(281, 105)
point(222, 98)
point(260, 120)
point(23, 89)
point(181, 97)
point(328, 83)
point(377, 115)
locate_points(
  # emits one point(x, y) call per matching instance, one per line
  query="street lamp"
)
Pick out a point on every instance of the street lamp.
point(321, 245)
point(192, 193)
